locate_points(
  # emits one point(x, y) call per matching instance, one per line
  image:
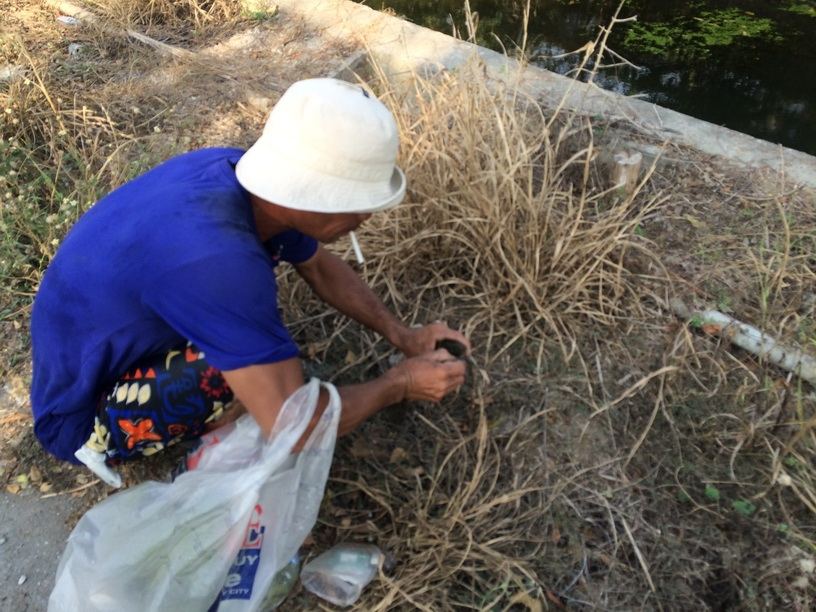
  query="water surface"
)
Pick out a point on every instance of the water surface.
point(749, 65)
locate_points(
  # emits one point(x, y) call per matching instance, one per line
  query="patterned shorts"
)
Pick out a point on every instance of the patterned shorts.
point(160, 401)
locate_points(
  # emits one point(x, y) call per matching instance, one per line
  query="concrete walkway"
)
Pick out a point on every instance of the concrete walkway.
point(33, 532)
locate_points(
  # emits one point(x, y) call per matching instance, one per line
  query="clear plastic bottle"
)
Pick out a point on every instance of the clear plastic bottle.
point(340, 574)
point(282, 584)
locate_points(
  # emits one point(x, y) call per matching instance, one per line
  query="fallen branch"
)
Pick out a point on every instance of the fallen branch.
point(87, 485)
point(749, 338)
point(69, 8)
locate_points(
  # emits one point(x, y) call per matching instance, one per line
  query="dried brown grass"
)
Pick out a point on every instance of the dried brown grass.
point(184, 14)
point(585, 485)
point(564, 482)
point(510, 227)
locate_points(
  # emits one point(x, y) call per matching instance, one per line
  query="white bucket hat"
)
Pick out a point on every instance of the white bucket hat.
point(328, 146)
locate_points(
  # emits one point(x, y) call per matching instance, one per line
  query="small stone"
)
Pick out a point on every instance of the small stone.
point(808, 566)
point(784, 480)
point(9, 72)
point(397, 455)
point(2, 540)
point(21, 580)
point(34, 474)
point(261, 103)
point(801, 582)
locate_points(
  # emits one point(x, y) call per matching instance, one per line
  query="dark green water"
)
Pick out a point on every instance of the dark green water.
point(749, 65)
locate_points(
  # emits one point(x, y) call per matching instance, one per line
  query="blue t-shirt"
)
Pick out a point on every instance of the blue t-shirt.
point(172, 255)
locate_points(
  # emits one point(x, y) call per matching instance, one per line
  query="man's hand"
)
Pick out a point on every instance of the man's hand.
point(414, 341)
point(339, 285)
point(429, 377)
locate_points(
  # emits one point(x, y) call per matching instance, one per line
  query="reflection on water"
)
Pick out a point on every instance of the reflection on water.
point(744, 64)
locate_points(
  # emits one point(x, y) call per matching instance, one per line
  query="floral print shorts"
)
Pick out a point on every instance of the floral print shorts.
point(160, 401)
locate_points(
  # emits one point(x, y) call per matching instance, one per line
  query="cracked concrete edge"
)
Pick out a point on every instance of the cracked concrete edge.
point(401, 47)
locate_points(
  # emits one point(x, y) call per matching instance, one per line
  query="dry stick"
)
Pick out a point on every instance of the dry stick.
point(658, 403)
point(69, 8)
point(87, 485)
point(751, 339)
point(638, 554)
point(14, 416)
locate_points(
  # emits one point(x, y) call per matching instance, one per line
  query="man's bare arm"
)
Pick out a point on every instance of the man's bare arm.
point(264, 388)
point(340, 286)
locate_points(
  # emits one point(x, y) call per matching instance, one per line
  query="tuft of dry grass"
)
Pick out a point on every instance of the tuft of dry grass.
point(52, 155)
point(508, 211)
point(197, 14)
point(464, 526)
point(510, 225)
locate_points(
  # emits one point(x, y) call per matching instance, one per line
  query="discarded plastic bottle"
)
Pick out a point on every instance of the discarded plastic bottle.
point(340, 574)
point(282, 584)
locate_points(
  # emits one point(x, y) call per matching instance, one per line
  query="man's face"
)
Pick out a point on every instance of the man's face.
point(328, 227)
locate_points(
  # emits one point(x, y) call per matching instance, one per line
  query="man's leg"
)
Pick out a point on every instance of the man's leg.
point(160, 401)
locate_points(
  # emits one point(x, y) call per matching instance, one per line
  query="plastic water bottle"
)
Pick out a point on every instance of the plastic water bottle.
point(282, 584)
point(340, 574)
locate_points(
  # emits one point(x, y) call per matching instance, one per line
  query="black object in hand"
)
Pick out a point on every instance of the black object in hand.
point(457, 349)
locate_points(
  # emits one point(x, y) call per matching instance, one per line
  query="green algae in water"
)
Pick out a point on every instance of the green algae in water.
point(699, 35)
point(802, 8)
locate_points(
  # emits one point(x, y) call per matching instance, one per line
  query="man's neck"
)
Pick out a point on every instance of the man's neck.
point(269, 218)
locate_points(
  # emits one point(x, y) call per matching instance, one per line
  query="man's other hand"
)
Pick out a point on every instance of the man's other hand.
point(429, 377)
point(415, 341)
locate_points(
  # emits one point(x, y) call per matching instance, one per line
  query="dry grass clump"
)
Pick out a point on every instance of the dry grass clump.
point(462, 517)
point(509, 214)
point(57, 156)
point(197, 14)
point(645, 473)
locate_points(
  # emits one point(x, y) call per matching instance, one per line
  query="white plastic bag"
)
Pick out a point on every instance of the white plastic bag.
point(218, 532)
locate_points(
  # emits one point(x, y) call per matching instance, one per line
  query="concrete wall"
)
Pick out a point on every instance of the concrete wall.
point(400, 46)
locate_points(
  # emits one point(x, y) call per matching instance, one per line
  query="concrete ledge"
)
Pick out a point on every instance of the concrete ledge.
point(402, 47)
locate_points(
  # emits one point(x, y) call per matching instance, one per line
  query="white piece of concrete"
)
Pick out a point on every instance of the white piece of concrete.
point(401, 47)
point(10, 72)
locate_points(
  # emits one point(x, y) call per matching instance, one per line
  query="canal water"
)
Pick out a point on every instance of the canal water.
point(749, 65)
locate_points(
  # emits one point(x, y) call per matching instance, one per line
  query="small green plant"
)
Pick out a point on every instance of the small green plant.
point(744, 507)
point(791, 462)
point(724, 303)
point(712, 493)
point(261, 14)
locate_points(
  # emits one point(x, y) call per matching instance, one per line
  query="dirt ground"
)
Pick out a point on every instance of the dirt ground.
point(652, 466)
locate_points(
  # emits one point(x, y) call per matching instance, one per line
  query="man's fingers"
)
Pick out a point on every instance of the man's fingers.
point(456, 368)
point(453, 367)
point(441, 356)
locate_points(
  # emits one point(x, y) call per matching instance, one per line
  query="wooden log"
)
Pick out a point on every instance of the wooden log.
point(626, 170)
